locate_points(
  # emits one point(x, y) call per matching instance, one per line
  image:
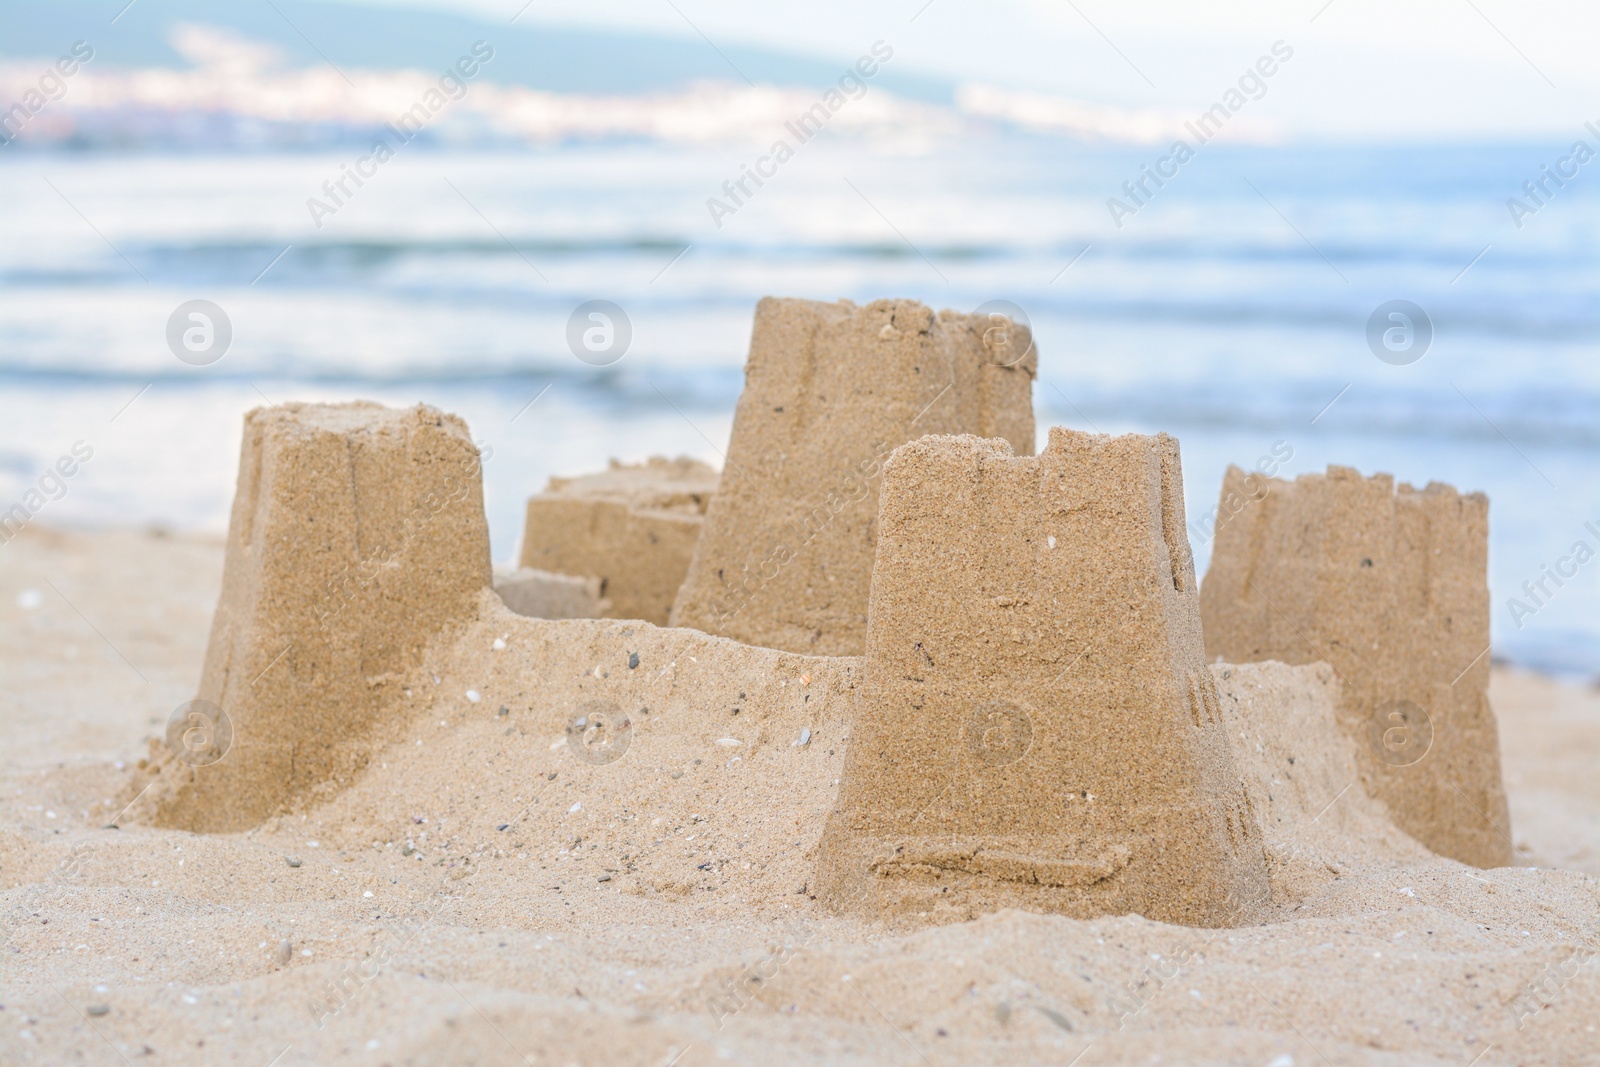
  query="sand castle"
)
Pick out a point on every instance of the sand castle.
point(830, 390)
point(1037, 726)
point(632, 526)
point(1389, 586)
point(357, 536)
point(611, 836)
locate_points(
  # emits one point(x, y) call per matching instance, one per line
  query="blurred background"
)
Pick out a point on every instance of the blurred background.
point(1338, 157)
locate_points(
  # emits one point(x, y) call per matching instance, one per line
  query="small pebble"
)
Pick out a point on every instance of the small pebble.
point(805, 737)
point(99, 1009)
point(633, 660)
point(474, 696)
point(285, 952)
point(605, 878)
point(503, 710)
point(499, 644)
point(502, 826)
point(293, 861)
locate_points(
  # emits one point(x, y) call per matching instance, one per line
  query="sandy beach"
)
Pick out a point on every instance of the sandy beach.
point(933, 535)
point(480, 896)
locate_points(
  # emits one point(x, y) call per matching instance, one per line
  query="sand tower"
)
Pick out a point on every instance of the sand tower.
point(1037, 726)
point(1390, 587)
point(357, 535)
point(632, 526)
point(830, 390)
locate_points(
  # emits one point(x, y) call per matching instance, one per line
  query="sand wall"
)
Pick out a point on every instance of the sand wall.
point(703, 771)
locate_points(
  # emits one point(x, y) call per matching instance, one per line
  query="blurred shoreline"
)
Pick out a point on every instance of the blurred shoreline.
point(450, 279)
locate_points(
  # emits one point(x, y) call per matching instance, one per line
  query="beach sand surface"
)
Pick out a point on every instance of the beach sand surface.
point(482, 895)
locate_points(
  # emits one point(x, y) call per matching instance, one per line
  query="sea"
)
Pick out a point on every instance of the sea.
point(1245, 304)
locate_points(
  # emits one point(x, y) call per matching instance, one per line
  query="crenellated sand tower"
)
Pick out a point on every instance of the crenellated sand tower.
point(1388, 586)
point(1037, 726)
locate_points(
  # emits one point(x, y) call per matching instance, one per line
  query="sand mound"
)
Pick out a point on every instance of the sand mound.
point(632, 526)
point(1302, 778)
point(1037, 726)
point(830, 390)
point(1390, 587)
point(700, 764)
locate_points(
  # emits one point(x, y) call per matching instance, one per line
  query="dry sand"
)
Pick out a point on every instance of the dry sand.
point(658, 908)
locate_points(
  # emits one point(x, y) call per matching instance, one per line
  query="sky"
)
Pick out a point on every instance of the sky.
point(1363, 69)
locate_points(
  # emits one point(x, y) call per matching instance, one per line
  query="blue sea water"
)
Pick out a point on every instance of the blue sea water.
point(1230, 309)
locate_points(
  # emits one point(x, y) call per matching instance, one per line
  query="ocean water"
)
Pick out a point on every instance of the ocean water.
point(1230, 309)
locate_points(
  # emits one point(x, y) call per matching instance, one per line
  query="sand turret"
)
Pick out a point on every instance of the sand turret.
point(357, 536)
point(1388, 586)
point(632, 527)
point(1037, 726)
point(830, 390)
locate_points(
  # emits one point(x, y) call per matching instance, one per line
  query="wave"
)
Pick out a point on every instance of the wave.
point(377, 251)
point(1551, 317)
point(1546, 419)
point(1550, 419)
